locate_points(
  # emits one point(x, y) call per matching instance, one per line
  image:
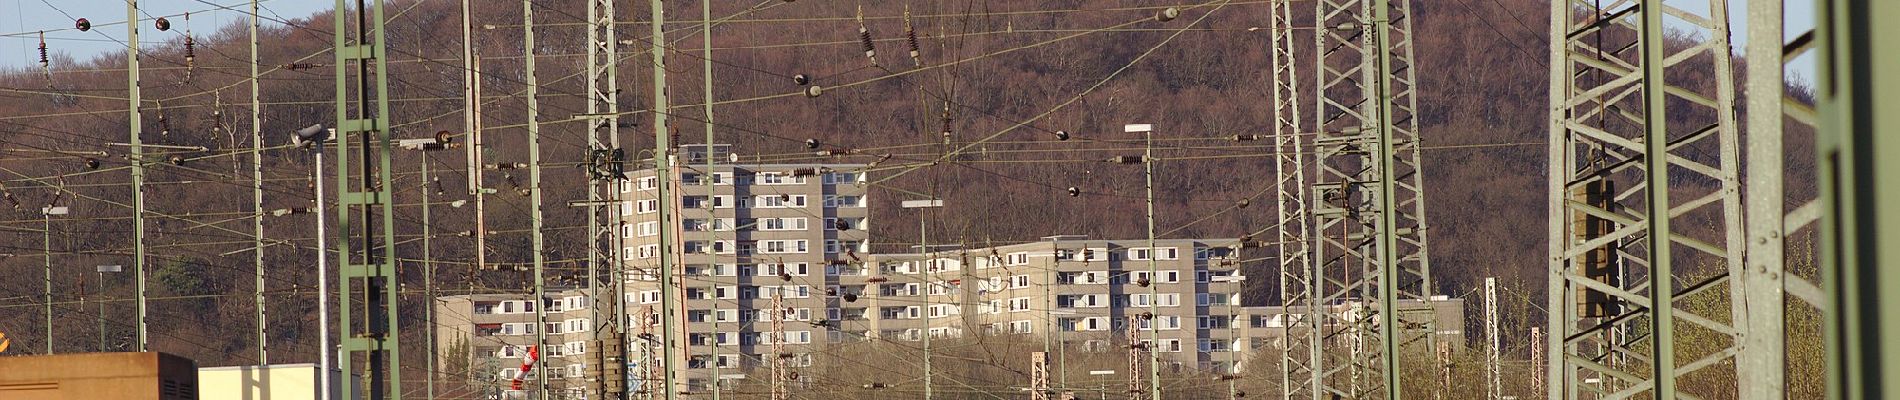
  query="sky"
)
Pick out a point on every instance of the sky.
point(19, 43)
point(21, 20)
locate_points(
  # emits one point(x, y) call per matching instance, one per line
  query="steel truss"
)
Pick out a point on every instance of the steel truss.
point(1370, 252)
point(1643, 179)
point(607, 295)
point(365, 205)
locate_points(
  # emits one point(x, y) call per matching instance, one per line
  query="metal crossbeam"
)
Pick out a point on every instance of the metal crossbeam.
point(1632, 249)
point(1368, 209)
point(364, 202)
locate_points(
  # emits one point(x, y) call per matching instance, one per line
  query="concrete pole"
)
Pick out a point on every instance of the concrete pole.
point(537, 237)
point(136, 125)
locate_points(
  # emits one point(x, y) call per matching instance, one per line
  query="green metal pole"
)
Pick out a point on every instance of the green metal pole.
point(538, 238)
point(1388, 239)
point(923, 256)
point(1858, 175)
point(257, 197)
point(102, 311)
point(428, 285)
point(663, 172)
point(47, 235)
point(138, 164)
point(1154, 286)
point(706, 76)
point(1656, 178)
point(371, 262)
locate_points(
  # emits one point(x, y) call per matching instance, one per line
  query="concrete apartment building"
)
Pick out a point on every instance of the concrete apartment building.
point(791, 240)
point(756, 238)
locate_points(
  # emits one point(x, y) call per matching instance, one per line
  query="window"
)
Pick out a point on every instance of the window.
point(844, 201)
point(1021, 326)
point(649, 251)
point(842, 177)
point(1160, 253)
point(844, 224)
point(782, 224)
point(1169, 276)
point(649, 228)
point(773, 178)
point(1169, 300)
point(1093, 254)
point(648, 206)
point(626, 231)
point(1018, 259)
point(779, 201)
point(784, 246)
point(626, 208)
point(1019, 282)
point(649, 183)
point(1019, 304)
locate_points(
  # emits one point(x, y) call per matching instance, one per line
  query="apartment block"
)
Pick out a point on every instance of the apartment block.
point(769, 248)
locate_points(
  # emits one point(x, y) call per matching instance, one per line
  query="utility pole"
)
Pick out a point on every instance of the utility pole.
point(663, 172)
point(708, 176)
point(1154, 286)
point(647, 371)
point(1618, 137)
point(47, 234)
point(1297, 271)
point(1369, 218)
point(1039, 375)
point(605, 307)
point(137, 127)
point(257, 195)
point(368, 207)
point(1495, 387)
point(428, 281)
point(1537, 360)
point(1132, 334)
point(538, 239)
point(780, 369)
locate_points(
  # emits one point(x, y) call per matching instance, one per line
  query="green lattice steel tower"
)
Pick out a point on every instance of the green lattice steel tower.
point(1369, 250)
point(1644, 198)
point(366, 255)
point(607, 300)
point(1860, 111)
point(1290, 230)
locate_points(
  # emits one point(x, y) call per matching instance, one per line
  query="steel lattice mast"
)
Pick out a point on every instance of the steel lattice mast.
point(606, 302)
point(370, 262)
point(1369, 221)
point(1303, 342)
point(1642, 180)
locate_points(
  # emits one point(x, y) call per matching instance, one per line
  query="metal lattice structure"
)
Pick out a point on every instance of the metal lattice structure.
point(607, 296)
point(1645, 230)
point(1369, 251)
point(365, 206)
point(1301, 349)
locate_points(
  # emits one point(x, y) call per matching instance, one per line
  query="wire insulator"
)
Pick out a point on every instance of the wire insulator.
point(43, 62)
point(191, 53)
point(870, 49)
point(910, 37)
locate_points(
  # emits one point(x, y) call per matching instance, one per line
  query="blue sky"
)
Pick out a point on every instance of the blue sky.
point(19, 48)
point(21, 19)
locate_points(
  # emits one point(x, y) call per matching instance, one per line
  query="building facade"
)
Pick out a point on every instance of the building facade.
point(775, 271)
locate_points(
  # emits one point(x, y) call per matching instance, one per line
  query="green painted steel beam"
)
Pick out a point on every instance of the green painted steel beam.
point(369, 262)
point(1860, 115)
